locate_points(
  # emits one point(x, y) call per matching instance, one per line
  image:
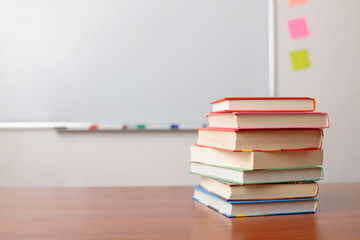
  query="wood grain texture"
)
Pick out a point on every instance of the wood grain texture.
point(164, 213)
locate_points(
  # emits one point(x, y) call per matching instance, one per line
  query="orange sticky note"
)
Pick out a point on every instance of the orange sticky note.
point(296, 2)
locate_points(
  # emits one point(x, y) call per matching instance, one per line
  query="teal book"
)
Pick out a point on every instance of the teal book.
point(255, 207)
point(246, 176)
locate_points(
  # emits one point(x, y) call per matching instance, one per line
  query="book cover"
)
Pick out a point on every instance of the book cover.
point(239, 140)
point(268, 207)
point(264, 104)
point(268, 120)
point(245, 176)
point(234, 191)
point(256, 159)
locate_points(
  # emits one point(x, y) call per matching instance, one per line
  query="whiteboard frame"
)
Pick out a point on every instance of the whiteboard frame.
point(272, 47)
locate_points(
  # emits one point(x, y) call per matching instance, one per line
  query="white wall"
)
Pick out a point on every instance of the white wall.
point(333, 79)
point(50, 158)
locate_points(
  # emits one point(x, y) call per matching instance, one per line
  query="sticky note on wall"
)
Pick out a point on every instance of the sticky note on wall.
point(296, 2)
point(300, 59)
point(298, 28)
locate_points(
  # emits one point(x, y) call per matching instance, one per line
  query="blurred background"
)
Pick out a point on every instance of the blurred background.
point(68, 65)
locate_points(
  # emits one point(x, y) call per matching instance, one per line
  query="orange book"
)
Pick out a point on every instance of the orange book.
point(264, 104)
point(260, 139)
point(268, 120)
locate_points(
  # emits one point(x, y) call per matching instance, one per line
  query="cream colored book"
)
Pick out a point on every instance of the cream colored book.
point(256, 120)
point(257, 160)
point(260, 139)
point(241, 176)
point(234, 191)
point(285, 104)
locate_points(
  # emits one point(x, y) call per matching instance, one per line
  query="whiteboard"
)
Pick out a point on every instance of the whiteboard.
point(129, 61)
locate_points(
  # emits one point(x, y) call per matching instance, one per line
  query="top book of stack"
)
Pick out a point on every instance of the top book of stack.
point(264, 104)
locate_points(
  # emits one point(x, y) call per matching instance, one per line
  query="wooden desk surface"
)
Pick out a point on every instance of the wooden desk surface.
point(164, 213)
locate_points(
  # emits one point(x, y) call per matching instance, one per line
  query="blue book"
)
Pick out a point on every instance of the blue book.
point(256, 207)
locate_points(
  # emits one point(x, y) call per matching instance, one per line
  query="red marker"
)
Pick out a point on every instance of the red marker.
point(93, 127)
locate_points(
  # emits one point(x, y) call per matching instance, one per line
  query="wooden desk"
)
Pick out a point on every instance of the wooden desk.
point(164, 213)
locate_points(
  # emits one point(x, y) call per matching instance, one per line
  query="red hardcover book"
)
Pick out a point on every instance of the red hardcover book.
point(264, 104)
point(267, 120)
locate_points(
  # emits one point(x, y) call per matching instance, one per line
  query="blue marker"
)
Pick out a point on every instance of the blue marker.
point(174, 126)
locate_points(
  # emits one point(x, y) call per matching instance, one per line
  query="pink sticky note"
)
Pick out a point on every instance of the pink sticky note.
point(298, 28)
point(296, 2)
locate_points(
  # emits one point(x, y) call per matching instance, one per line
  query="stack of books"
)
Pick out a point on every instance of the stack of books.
point(260, 156)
